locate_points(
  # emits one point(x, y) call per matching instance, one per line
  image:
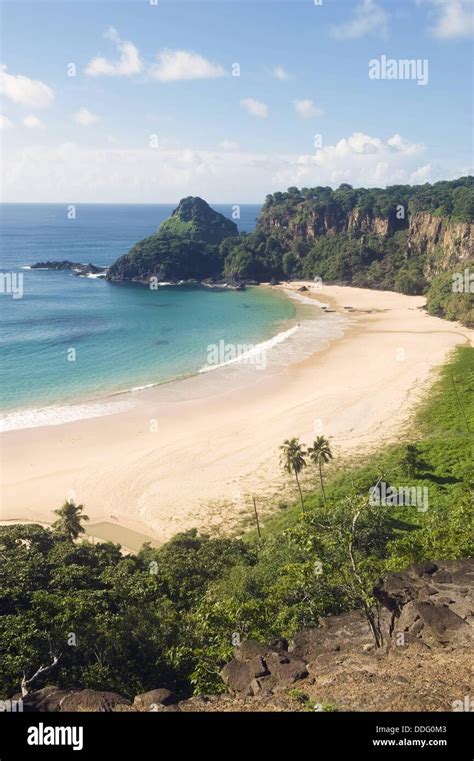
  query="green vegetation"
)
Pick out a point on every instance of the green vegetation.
point(69, 520)
point(169, 616)
point(353, 236)
point(185, 247)
point(443, 301)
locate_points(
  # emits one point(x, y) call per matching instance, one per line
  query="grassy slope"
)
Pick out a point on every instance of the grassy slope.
point(442, 428)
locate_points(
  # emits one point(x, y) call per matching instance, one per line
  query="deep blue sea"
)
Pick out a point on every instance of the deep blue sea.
point(123, 336)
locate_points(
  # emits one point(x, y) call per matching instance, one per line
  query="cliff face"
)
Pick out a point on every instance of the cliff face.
point(445, 243)
point(307, 223)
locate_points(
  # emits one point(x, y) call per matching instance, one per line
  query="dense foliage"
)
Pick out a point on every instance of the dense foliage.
point(351, 236)
point(453, 199)
point(445, 299)
point(170, 616)
point(185, 246)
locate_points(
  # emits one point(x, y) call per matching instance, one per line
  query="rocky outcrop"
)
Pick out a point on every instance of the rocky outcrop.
point(52, 700)
point(432, 603)
point(258, 668)
point(82, 270)
point(307, 223)
point(148, 701)
point(446, 244)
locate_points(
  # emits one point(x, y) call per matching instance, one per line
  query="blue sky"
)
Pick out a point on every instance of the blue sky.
point(154, 112)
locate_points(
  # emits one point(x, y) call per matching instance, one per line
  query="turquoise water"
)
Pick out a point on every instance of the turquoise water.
point(118, 336)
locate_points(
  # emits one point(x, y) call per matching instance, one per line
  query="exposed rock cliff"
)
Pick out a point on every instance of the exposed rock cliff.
point(446, 244)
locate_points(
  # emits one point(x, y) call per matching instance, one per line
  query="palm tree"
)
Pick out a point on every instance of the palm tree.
point(320, 454)
point(69, 521)
point(293, 461)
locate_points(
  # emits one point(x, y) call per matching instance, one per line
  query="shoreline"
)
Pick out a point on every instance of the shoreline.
point(115, 399)
point(172, 463)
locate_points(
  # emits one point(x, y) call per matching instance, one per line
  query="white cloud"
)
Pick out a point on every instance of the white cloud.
point(367, 18)
point(453, 18)
point(84, 117)
point(228, 145)
point(117, 174)
point(5, 122)
point(23, 90)
point(280, 73)
point(175, 65)
point(255, 107)
point(32, 122)
point(307, 109)
point(358, 159)
point(129, 62)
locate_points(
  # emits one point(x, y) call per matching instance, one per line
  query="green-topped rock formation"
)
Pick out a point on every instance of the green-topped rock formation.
point(185, 247)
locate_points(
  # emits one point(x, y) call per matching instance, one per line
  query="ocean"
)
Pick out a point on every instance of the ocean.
point(79, 341)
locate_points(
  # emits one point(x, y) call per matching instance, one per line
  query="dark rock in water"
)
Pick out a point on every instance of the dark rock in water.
point(303, 288)
point(76, 267)
point(228, 284)
point(158, 697)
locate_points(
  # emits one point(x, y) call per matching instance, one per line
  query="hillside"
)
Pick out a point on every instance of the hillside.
point(410, 239)
point(185, 247)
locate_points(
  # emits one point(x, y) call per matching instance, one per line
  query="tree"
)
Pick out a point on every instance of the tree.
point(293, 461)
point(412, 462)
point(320, 454)
point(69, 521)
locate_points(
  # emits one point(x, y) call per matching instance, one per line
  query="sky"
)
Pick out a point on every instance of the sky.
point(147, 101)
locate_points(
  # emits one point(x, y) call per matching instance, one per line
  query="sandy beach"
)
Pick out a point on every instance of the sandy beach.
point(169, 464)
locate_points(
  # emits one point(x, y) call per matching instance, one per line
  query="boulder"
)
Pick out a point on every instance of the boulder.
point(258, 668)
point(92, 700)
point(434, 602)
point(160, 696)
point(249, 649)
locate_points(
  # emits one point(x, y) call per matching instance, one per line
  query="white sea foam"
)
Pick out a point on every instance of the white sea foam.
point(264, 346)
point(59, 414)
point(142, 388)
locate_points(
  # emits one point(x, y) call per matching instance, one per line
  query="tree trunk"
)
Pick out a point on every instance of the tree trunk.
point(321, 479)
point(301, 493)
